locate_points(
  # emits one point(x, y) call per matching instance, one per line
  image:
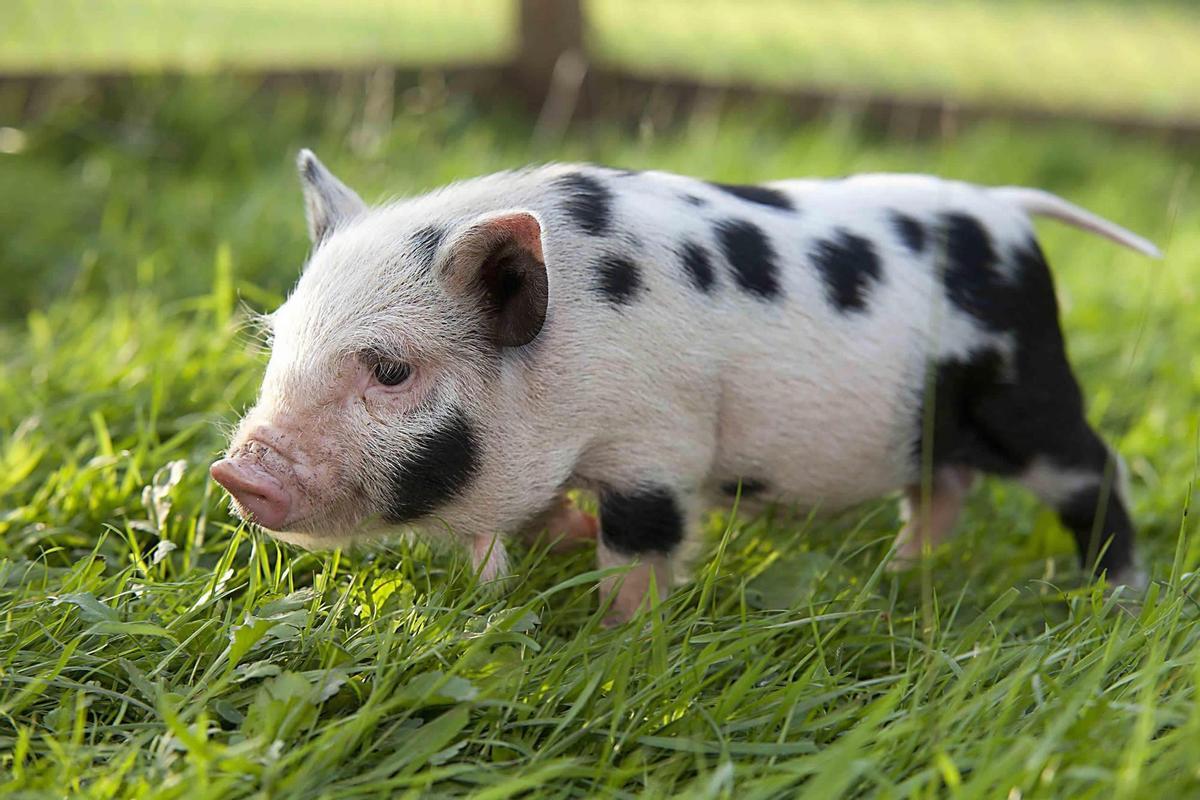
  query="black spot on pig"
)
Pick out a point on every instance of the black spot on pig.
point(425, 244)
point(849, 265)
point(439, 469)
point(971, 279)
point(588, 202)
point(911, 232)
point(751, 256)
point(693, 200)
point(751, 487)
point(698, 265)
point(617, 279)
point(763, 195)
point(644, 520)
point(998, 412)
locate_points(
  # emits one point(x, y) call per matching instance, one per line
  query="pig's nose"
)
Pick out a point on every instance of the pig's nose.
point(258, 492)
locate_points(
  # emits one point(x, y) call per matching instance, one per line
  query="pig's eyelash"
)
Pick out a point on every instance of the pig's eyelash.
point(375, 355)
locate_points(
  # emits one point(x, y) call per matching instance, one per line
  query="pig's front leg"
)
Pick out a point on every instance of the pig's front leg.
point(644, 526)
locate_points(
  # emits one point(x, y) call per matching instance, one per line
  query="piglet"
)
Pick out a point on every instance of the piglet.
point(455, 362)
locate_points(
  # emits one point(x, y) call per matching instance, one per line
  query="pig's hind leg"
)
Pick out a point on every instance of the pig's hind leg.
point(1041, 439)
point(1021, 415)
point(1070, 468)
point(1087, 484)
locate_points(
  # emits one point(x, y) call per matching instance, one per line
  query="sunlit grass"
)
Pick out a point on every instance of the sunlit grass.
point(149, 647)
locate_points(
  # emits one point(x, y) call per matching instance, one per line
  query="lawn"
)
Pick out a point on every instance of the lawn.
point(1115, 56)
point(152, 647)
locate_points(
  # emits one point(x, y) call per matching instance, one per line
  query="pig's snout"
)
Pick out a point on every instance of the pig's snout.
point(257, 492)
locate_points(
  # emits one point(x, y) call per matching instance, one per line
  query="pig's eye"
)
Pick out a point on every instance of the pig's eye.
point(392, 373)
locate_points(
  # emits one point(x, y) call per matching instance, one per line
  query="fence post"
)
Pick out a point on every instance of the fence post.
point(548, 29)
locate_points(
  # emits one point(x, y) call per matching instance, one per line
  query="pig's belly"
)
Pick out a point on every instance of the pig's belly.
point(821, 428)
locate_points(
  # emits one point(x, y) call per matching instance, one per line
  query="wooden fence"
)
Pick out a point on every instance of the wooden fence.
point(552, 76)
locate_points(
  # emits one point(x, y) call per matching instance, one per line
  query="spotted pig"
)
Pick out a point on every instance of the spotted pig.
point(456, 362)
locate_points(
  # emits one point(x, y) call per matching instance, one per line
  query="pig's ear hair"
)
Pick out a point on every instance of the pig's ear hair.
point(499, 260)
point(327, 201)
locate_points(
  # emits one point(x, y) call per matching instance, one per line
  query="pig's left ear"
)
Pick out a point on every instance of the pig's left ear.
point(327, 201)
point(499, 260)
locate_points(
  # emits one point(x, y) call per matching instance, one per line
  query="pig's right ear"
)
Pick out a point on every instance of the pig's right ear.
point(498, 260)
point(327, 201)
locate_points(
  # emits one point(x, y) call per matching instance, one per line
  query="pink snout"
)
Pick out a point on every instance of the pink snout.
point(258, 493)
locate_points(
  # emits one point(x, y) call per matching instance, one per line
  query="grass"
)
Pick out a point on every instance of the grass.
point(1106, 55)
point(152, 647)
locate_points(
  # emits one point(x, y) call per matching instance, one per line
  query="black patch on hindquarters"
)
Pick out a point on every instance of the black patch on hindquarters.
point(698, 264)
point(911, 232)
point(588, 203)
point(693, 200)
point(751, 256)
point(439, 469)
point(1036, 406)
point(955, 438)
point(618, 279)
point(999, 413)
point(849, 266)
point(763, 195)
point(645, 520)
point(425, 244)
point(751, 487)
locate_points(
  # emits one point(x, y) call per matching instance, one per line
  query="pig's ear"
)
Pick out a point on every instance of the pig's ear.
point(327, 201)
point(499, 260)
